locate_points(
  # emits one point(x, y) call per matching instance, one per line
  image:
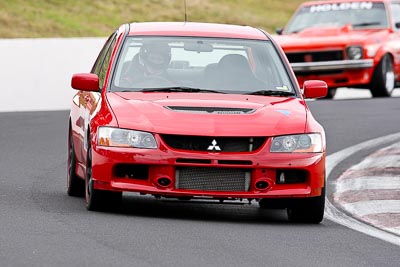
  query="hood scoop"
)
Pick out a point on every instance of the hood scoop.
point(211, 110)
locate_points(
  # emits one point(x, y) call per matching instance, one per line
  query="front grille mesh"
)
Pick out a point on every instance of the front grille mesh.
point(212, 179)
point(314, 56)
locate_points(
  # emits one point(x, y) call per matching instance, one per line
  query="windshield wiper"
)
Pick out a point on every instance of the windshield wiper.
point(363, 24)
point(181, 89)
point(272, 93)
point(297, 31)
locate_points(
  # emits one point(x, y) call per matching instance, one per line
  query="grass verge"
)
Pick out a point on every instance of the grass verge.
point(78, 18)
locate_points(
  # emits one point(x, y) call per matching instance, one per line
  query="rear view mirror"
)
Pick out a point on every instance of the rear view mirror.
point(198, 46)
point(85, 82)
point(315, 89)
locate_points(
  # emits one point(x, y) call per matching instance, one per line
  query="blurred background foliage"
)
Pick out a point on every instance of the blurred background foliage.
point(90, 18)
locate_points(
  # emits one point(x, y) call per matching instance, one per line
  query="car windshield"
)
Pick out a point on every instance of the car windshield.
point(360, 15)
point(197, 64)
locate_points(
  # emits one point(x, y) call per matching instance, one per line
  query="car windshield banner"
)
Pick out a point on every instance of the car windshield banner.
point(341, 6)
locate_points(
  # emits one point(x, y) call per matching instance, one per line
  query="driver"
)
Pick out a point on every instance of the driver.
point(155, 58)
point(150, 63)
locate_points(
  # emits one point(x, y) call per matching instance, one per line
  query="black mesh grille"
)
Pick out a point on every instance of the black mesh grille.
point(314, 56)
point(220, 144)
point(213, 179)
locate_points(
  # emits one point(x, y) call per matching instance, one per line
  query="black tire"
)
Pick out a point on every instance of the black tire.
point(75, 185)
point(307, 210)
point(383, 79)
point(98, 200)
point(331, 93)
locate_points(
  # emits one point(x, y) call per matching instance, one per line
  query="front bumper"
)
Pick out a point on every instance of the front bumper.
point(341, 73)
point(332, 65)
point(163, 162)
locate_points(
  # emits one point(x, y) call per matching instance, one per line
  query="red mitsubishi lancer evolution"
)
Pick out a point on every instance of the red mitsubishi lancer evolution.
point(196, 110)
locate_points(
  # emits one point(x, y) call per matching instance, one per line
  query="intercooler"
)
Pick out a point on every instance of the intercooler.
point(212, 179)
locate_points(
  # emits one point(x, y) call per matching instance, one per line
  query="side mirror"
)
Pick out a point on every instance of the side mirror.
point(85, 82)
point(397, 24)
point(315, 89)
point(279, 31)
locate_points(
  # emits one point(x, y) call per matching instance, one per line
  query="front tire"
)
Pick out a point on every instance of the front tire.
point(331, 93)
point(383, 79)
point(75, 185)
point(98, 200)
point(307, 210)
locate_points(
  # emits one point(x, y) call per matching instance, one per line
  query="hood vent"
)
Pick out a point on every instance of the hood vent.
point(211, 110)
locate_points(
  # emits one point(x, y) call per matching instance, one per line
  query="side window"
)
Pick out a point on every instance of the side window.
point(106, 62)
point(102, 62)
point(395, 10)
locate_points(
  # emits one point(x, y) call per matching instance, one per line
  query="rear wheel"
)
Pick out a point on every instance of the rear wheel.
point(75, 185)
point(97, 200)
point(383, 79)
point(307, 210)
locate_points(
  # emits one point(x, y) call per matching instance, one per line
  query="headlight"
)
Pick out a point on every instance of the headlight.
point(354, 52)
point(372, 49)
point(108, 136)
point(301, 143)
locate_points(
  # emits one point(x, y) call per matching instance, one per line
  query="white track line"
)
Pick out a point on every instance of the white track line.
point(395, 230)
point(333, 214)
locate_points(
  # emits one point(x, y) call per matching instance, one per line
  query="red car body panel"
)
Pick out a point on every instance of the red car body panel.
point(155, 117)
point(272, 116)
point(376, 43)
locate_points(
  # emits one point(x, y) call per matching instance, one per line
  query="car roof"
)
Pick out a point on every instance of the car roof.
point(196, 29)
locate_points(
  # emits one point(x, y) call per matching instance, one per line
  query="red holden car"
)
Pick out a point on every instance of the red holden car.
point(196, 110)
point(346, 43)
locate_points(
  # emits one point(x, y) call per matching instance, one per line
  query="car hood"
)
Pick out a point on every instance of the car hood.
point(208, 114)
point(314, 37)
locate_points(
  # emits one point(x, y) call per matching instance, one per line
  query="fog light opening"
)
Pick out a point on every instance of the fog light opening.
point(262, 185)
point(164, 182)
point(282, 178)
point(291, 176)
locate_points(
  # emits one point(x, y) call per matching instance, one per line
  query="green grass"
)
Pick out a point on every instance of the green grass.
point(76, 18)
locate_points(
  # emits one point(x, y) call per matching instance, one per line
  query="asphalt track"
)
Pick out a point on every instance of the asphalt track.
point(42, 226)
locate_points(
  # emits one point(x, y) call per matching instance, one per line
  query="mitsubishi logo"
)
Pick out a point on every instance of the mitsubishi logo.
point(214, 146)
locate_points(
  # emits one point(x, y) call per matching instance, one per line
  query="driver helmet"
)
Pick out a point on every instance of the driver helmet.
point(155, 57)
